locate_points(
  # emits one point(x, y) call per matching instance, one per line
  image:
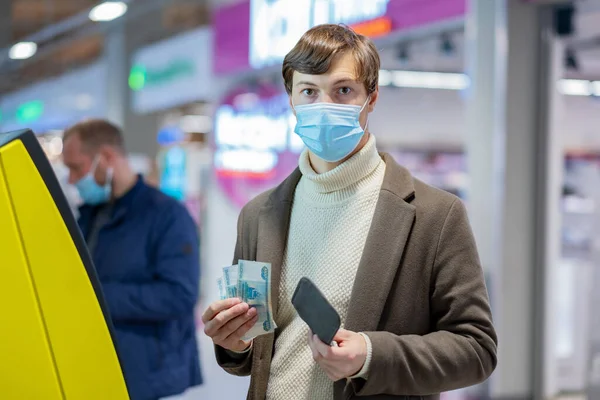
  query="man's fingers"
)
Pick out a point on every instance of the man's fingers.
point(212, 327)
point(242, 330)
point(342, 335)
point(218, 306)
point(316, 355)
point(234, 324)
point(236, 337)
point(322, 348)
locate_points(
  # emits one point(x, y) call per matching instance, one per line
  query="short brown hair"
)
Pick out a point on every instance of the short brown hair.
point(95, 133)
point(317, 48)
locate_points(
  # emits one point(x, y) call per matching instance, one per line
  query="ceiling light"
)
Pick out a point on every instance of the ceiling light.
point(22, 50)
point(596, 87)
point(575, 87)
point(385, 78)
point(108, 11)
point(430, 80)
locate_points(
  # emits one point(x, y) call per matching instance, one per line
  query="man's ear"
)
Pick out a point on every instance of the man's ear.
point(373, 100)
point(106, 153)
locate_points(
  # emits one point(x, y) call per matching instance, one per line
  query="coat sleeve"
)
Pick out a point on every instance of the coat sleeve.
point(173, 291)
point(239, 364)
point(462, 349)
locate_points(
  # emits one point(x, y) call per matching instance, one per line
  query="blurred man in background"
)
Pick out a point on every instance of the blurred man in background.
point(145, 248)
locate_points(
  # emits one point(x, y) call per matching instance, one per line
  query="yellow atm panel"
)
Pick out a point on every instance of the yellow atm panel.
point(55, 332)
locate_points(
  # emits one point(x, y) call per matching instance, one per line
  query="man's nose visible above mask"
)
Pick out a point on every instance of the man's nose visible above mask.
point(324, 98)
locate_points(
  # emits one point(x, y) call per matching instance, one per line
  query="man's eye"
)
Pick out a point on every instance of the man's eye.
point(308, 92)
point(345, 90)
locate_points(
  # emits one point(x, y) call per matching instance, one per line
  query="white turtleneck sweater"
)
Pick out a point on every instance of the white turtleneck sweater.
point(330, 220)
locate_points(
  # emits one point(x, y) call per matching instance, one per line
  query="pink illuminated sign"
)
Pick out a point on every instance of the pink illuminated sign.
point(234, 50)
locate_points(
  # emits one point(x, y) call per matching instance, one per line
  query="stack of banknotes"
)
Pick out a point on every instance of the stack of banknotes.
point(251, 282)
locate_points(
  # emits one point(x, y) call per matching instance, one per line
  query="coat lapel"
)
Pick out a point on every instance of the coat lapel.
point(390, 229)
point(273, 227)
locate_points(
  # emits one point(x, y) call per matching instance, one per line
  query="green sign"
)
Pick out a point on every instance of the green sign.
point(137, 77)
point(30, 111)
point(141, 76)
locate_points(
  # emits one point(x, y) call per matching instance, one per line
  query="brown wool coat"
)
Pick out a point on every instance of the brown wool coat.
point(419, 292)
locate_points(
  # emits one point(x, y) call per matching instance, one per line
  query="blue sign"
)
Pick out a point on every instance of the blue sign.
point(173, 180)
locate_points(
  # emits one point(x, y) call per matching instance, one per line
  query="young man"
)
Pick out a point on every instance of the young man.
point(394, 256)
point(145, 250)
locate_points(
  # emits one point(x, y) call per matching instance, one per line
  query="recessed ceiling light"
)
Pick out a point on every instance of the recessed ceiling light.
point(22, 50)
point(108, 11)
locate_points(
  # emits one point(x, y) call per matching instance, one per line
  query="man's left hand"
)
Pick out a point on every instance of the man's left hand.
point(343, 361)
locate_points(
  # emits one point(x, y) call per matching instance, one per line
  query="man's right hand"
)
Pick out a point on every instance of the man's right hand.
point(226, 321)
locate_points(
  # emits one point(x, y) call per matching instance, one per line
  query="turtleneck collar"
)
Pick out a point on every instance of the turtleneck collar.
point(344, 180)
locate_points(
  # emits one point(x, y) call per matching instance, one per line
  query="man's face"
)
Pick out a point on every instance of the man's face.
point(338, 85)
point(78, 161)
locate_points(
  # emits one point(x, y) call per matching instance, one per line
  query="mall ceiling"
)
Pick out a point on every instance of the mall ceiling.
point(158, 19)
point(82, 41)
point(22, 18)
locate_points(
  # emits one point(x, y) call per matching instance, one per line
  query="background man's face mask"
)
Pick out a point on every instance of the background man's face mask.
point(90, 192)
point(330, 131)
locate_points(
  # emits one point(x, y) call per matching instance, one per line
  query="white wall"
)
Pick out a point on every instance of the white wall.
point(433, 118)
point(418, 117)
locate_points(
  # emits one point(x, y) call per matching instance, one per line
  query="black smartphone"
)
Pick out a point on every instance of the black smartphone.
point(316, 311)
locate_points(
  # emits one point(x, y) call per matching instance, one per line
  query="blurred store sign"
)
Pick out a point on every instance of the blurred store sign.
point(172, 72)
point(173, 180)
point(255, 144)
point(258, 33)
point(30, 111)
point(58, 102)
point(276, 26)
point(169, 135)
point(374, 28)
point(25, 113)
point(142, 76)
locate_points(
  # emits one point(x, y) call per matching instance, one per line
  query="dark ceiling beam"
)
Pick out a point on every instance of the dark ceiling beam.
point(5, 23)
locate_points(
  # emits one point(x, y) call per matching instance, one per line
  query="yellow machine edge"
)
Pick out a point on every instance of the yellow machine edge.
point(57, 337)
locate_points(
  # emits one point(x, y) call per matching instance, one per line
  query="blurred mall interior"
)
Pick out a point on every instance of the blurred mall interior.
point(497, 101)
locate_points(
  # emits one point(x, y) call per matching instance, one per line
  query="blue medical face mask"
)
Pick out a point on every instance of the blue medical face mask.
point(330, 131)
point(90, 191)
